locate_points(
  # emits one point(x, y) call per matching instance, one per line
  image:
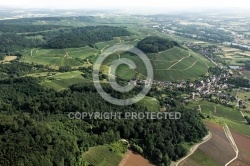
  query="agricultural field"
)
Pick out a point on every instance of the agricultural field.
point(216, 151)
point(246, 73)
point(169, 65)
point(134, 159)
point(8, 59)
point(60, 81)
point(233, 56)
point(59, 57)
point(106, 155)
point(199, 158)
point(243, 144)
point(222, 114)
point(217, 110)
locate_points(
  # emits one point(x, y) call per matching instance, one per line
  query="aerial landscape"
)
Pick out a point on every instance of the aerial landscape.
point(85, 83)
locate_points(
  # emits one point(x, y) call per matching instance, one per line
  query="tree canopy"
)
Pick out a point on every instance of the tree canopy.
point(155, 44)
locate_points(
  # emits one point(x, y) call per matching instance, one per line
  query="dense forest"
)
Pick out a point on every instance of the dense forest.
point(239, 82)
point(82, 36)
point(8, 28)
point(34, 20)
point(154, 44)
point(34, 125)
point(61, 38)
point(2, 56)
point(34, 129)
point(247, 65)
point(11, 43)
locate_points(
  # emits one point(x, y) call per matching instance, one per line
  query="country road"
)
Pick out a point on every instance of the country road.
point(193, 148)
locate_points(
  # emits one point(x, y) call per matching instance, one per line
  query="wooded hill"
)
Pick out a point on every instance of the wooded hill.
point(35, 130)
point(155, 44)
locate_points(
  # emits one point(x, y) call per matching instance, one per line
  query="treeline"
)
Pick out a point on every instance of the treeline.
point(51, 20)
point(206, 34)
point(247, 119)
point(247, 65)
point(16, 69)
point(2, 56)
point(216, 71)
point(54, 36)
point(9, 28)
point(239, 82)
point(154, 44)
point(40, 132)
point(11, 43)
point(83, 36)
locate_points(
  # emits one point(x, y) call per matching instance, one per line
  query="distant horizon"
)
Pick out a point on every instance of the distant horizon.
point(156, 5)
point(140, 11)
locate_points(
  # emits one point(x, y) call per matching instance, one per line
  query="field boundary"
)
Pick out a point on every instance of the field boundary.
point(232, 142)
point(125, 158)
point(193, 148)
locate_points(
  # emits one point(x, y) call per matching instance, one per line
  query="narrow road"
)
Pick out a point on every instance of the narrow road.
point(232, 142)
point(179, 61)
point(193, 148)
point(104, 48)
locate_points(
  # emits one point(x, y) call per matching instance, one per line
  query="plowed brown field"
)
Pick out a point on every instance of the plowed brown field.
point(243, 144)
point(134, 159)
point(217, 150)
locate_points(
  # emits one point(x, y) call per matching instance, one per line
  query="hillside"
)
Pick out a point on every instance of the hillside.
point(170, 65)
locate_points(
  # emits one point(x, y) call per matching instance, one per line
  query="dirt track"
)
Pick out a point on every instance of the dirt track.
point(217, 148)
point(243, 143)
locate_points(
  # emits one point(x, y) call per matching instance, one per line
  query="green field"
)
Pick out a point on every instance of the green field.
point(169, 65)
point(106, 155)
point(151, 103)
point(231, 116)
point(217, 110)
point(59, 57)
point(60, 81)
point(202, 159)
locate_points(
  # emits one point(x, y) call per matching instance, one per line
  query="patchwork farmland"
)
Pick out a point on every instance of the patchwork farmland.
point(215, 152)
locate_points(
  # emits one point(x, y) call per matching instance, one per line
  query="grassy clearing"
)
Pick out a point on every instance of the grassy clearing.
point(64, 83)
point(60, 81)
point(208, 108)
point(151, 103)
point(244, 95)
point(106, 155)
point(59, 57)
point(123, 71)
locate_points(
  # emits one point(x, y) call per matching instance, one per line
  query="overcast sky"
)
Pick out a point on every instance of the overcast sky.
point(168, 4)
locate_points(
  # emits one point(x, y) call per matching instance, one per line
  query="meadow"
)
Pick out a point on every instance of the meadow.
point(59, 57)
point(106, 155)
point(152, 104)
point(217, 110)
point(231, 116)
point(60, 81)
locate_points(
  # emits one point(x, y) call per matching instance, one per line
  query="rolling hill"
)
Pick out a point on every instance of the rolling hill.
point(169, 65)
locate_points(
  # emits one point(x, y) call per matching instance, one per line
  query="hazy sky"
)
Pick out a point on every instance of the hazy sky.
point(170, 4)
